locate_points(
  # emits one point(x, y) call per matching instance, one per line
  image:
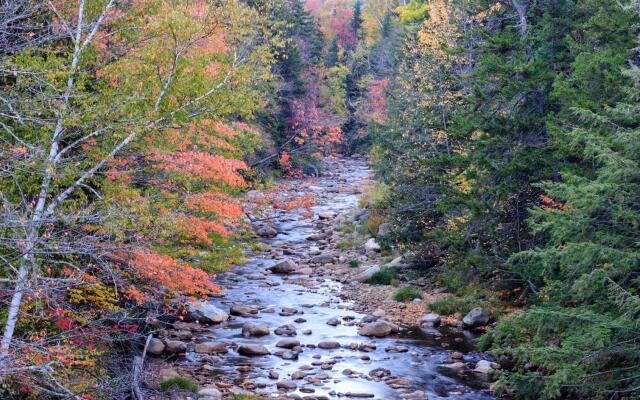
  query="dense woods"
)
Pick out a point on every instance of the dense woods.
point(510, 161)
point(504, 134)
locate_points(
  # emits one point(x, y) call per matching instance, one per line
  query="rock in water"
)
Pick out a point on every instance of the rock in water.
point(206, 313)
point(265, 231)
point(476, 317)
point(327, 215)
point(253, 350)
point(250, 329)
point(286, 384)
point(328, 345)
point(285, 266)
point(175, 346)
point(378, 329)
point(211, 347)
point(288, 343)
point(243, 310)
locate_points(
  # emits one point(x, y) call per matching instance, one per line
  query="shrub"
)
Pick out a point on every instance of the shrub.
point(354, 263)
point(382, 277)
point(178, 382)
point(407, 293)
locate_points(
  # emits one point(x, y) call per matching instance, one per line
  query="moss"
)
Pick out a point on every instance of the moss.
point(382, 277)
point(407, 293)
point(178, 382)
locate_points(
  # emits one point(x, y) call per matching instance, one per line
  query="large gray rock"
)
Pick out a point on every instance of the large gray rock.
point(328, 345)
point(286, 384)
point(175, 346)
point(243, 310)
point(368, 273)
point(206, 313)
point(265, 231)
point(486, 367)
point(288, 343)
point(211, 347)
point(430, 320)
point(378, 329)
point(327, 215)
point(209, 393)
point(250, 329)
point(371, 245)
point(476, 317)
point(250, 349)
point(285, 266)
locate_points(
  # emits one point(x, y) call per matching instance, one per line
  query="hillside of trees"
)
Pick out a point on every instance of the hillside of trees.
point(509, 159)
point(504, 134)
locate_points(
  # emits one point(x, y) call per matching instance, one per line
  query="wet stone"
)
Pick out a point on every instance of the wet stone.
point(328, 345)
point(251, 329)
point(288, 343)
point(285, 330)
point(286, 384)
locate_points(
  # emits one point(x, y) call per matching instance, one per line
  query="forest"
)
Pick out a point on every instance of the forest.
point(152, 149)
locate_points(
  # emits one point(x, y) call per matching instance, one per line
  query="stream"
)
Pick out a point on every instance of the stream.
point(404, 365)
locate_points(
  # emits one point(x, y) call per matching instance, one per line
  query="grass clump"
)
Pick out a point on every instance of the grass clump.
point(407, 293)
point(347, 227)
point(451, 305)
point(179, 383)
point(354, 263)
point(382, 277)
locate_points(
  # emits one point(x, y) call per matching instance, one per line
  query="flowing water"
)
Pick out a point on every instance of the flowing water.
point(346, 370)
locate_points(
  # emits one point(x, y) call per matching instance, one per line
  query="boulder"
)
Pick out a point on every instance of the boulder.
point(378, 329)
point(328, 345)
point(156, 347)
point(175, 347)
point(333, 321)
point(486, 367)
point(288, 343)
point(371, 245)
point(285, 330)
point(211, 347)
point(250, 329)
point(368, 273)
point(327, 215)
point(476, 317)
point(209, 393)
point(430, 320)
point(243, 310)
point(206, 313)
point(253, 350)
point(285, 266)
point(286, 384)
point(265, 231)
